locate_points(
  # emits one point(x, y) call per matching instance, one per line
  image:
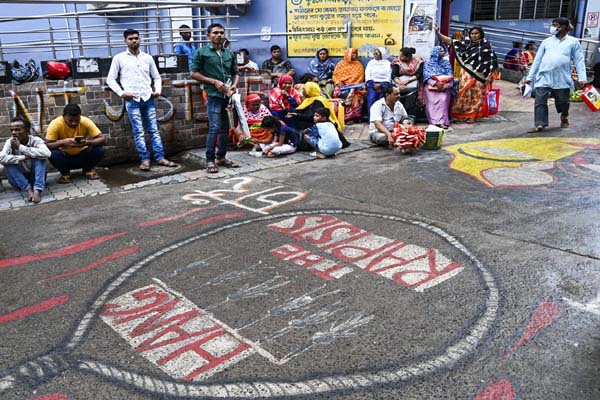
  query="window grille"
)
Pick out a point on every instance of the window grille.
point(521, 9)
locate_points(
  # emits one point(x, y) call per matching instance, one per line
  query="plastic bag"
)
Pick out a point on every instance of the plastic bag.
point(57, 70)
point(24, 73)
point(491, 101)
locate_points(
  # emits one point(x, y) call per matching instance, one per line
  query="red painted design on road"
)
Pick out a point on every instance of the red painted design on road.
point(501, 390)
point(174, 334)
point(544, 315)
point(52, 396)
point(409, 265)
point(213, 219)
point(320, 266)
point(174, 217)
point(34, 309)
point(114, 256)
point(64, 251)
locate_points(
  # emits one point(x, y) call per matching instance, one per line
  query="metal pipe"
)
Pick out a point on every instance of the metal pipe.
point(349, 33)
point(79, 36)
point(107, 24)
point(159, 30)
point(51, 35)
point(68, 30)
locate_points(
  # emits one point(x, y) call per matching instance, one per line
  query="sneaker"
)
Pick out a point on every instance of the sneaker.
point(64, 179)
point(255, 153)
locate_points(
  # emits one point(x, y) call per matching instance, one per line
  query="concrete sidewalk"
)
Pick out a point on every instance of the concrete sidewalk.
point(510, 103)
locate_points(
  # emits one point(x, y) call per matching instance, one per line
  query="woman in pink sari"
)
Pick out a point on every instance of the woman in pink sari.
point(438, 79)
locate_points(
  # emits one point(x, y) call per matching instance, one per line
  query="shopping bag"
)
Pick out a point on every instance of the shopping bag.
point(591, 97)
point(491, 101)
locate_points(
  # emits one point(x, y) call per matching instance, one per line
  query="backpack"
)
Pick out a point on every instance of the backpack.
point(57, 70)
point(24, 73)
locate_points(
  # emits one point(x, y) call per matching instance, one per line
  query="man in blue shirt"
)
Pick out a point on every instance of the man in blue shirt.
point(551, 73)
point(185, 47)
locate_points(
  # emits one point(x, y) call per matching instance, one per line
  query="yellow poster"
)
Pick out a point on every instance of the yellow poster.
point(375, 23)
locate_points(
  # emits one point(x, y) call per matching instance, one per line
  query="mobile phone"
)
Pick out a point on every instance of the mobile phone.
point(78, 139)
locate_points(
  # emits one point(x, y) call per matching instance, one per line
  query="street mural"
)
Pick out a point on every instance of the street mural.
point(228, 310)
point(528, 163)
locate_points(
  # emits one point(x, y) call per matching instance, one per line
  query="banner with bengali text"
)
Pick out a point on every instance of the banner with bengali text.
point(375, 23)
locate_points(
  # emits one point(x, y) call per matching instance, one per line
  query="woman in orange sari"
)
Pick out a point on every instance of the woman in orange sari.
point(478, 61)
point(350, 72)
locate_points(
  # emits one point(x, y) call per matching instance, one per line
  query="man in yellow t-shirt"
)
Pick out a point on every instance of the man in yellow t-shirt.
point(75, 142)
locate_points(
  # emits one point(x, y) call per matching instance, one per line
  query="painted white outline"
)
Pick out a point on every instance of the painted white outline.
point(447, 359)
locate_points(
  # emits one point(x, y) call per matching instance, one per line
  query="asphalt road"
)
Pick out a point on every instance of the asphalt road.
point(465, 273)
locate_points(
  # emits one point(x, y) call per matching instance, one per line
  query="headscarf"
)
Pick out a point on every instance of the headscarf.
point(313, 93)
point(436, 65)
point(279, 102)
point(322, 70)
point(379, 70)
point(262, 112)
point(348, 72)
point(476, 57)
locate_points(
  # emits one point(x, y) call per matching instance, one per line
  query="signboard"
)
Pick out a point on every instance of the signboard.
point(420, 20)
point(375, 23)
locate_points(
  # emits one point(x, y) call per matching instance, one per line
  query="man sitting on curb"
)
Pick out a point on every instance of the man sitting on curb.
point(75, 142)
point(24, 159)
point(385, 113)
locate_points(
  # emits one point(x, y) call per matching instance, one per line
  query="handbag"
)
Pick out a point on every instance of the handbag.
point(591, 97)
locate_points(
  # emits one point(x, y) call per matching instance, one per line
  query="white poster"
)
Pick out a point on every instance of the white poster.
point(591, 31)
point(419, 24)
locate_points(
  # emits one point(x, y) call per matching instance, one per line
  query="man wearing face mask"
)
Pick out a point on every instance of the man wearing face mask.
point(551, 73)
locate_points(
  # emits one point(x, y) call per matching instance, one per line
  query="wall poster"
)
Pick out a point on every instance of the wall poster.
point(375, 23)
point(420, 21)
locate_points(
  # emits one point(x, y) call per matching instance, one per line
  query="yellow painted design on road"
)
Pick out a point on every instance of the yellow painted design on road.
point(479, 159)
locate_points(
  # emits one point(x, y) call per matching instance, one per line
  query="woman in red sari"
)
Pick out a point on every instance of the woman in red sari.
point(350, 72)
point(478, 61)
point(284, 99)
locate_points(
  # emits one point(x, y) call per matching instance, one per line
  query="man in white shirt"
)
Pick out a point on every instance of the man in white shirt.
point(137, 73)
point(384, 114)
point(24, 159)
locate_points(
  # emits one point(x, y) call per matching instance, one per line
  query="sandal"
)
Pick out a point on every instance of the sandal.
point(166, 163)
point(64, 179)
point(211, 168)
point(538, 128)
point(91, 175)
point(145, 166)
point(227, 163)
point(564, 122)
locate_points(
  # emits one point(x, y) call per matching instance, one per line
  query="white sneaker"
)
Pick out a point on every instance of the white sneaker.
point(255, 153)
point(313, 154)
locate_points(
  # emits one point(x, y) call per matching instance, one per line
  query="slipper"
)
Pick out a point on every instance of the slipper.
point(539, 128)
point(91, 175)
point(37, 196)
point(211, 168)
point(227, 163)
point(166, 163)
point(145, 166)
point(64, 179)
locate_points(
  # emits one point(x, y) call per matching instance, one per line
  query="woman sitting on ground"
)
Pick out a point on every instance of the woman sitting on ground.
point(529, 53)
point(322, 68)
point(284, 99)
point(348, 76)
point(313, 100)
point(478, 61)
point(254, 112)
point(378, 75)
point(514, 59)
point(438, 79)
point(407, 71)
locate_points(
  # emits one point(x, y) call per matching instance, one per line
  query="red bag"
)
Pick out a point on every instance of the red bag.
point(491, 101)
point(591, 97)
point(57, 70)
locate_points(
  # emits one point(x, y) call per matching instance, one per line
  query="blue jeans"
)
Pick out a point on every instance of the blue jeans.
point(140, 111)
point(218, 126)
point(23, 180)
point(86, 160)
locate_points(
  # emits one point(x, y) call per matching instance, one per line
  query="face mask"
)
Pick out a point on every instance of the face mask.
point(553, 30)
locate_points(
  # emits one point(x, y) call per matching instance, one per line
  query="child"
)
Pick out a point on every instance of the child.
point(322, 136)
point(284, 140)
